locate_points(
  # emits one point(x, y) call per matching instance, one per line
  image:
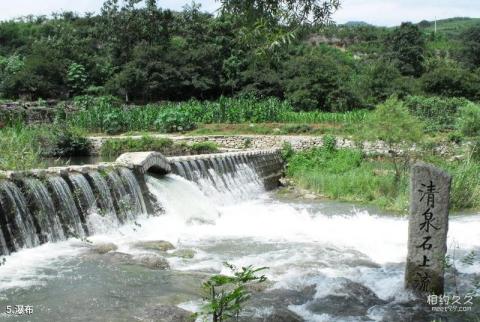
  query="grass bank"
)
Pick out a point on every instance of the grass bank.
point(349, 175)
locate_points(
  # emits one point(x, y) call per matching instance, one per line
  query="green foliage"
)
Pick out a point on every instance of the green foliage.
point(287, 151)
point(468, 122)
point(406, 46)
point(329, 142)
point(348, 175)
point(471, 45)
point(115, 147)
point(175, 120)
point(19, 149)
point(350, 117)
point(438, 113)
point(76, 78)
point(225, 296)
point(204, 147)
point(392, 123)
point(66, 143)
point(112, 148)
point(318, 79)
point(451, 80)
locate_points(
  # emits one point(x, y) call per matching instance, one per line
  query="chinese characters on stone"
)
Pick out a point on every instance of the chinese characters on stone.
point(427, 225)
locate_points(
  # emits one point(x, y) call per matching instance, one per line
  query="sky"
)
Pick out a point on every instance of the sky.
point(376, 12)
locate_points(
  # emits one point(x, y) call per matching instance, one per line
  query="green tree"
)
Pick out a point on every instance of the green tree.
point(76, 78)
point(318, 78)
point(470, 52)
point(451, 80)
point(392, 123)
point(406, 49)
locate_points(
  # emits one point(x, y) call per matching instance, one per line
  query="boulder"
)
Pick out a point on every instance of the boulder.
point(348, 299)
point(167, 313)
point(103, 248)
point(184, 253)
point(152, 262)
point(159, 245)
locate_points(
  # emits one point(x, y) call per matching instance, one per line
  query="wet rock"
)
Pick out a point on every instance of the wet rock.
point(349, 299)
point(118, 258)
point(278, 315)
point(167, 313)
point(152, 262)
point(409, 311)
point(361, 262)
point(103, 248)
point(160, 245)
point(184, 253)
point(283, 297)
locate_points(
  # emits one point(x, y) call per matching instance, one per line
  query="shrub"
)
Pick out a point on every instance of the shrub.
point(329, 142)
point(287, 151)
point(438, 113)
point(204, 148)
point(175, 120)
point(66, 143)
point(468, 121)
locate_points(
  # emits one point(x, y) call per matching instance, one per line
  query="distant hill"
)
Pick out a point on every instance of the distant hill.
point(356, 23)
point(450, 27)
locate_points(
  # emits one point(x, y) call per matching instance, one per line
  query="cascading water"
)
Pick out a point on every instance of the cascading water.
point(120, 197)
point(106, 217)
point(134, 191)
point(67, 210)
point(44, 212)
point(18, 220)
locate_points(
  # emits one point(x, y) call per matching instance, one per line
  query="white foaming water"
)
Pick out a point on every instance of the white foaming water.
point(300, 243)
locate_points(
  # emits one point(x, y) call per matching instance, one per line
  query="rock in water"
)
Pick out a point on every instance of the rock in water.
point(103, 248)
point(184, 253)
point(349, 299)
point(167, 313)
point(160, 245)
point(152, 262)
point(427, 229)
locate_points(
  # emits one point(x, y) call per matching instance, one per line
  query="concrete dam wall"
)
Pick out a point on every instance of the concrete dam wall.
point(54, 204)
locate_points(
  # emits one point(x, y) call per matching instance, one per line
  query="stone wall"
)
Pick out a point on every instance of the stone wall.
point(30, 112)
point(263, 142)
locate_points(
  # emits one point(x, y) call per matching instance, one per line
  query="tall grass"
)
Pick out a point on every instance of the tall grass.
point(349, 175)
point(104, 115)
point(19, 148)
point(324, 117)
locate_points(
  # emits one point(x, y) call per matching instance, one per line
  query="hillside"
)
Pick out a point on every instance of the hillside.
point(450, 27)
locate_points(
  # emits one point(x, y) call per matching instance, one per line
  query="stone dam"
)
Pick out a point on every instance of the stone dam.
point(54, 204)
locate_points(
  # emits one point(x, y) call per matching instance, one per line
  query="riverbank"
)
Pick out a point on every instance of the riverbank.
point(351, 175)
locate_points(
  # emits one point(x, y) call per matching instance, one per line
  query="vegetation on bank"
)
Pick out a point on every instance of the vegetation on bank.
point(350, 175)
point(115, 147)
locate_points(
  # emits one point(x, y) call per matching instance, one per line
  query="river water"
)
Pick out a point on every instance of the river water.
point(327, 261)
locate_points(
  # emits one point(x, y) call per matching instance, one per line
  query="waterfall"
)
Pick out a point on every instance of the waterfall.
point(120, 196)
point(226, 179)
point(3, 245)
point(18, 219)
point(103, 192)
point(138, 203)
point(43, 211)
point(72, 222)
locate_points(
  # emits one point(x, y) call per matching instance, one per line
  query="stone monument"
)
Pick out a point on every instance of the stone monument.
point(427, 229)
